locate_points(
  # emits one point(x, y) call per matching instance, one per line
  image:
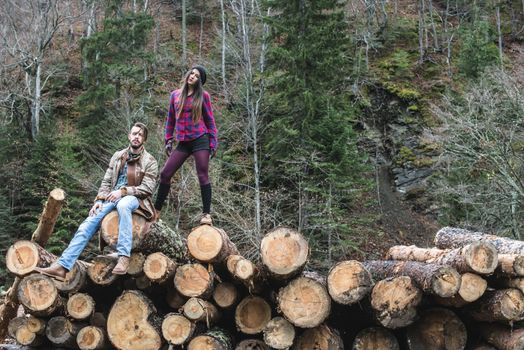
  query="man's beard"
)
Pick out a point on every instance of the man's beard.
point(136, 147)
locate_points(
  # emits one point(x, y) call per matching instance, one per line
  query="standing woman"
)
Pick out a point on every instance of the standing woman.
point(190, 121)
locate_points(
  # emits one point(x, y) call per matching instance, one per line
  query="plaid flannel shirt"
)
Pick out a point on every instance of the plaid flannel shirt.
point(186, 129)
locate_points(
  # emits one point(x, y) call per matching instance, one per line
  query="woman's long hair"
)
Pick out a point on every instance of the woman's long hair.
point(198, 93)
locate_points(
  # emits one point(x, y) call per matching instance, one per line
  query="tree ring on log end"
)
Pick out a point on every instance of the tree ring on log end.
point(37, 292)
point(192, 280)
point(348, 282)
point(176, 329)
point(304, 302)
point(445, 282)
point(252, 315)
point(512, 304)
point(90, 337)
point(204, 243)
point(283, 250)
point(482, 257)
point(109, 229)
point(24, 336)
point(22, 257)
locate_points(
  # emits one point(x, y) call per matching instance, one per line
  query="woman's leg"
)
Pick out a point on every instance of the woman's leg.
point(202, 167)
point(173, 163)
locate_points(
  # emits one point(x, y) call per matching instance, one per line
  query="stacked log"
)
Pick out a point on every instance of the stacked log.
point(201, 293)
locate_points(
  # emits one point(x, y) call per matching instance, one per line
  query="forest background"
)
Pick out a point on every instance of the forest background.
point(362, 123)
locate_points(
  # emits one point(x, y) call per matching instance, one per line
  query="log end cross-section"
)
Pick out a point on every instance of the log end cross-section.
point(348, 282)
point(132, 324)
point(375, 338)
point(109, 229)
point(482, 257)
point(193, 280)
point(284, 252)
point(305, 302)
point(38, 294)
point(252, 314)
point(177, 329)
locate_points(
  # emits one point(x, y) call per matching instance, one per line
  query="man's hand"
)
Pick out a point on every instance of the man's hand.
point(97, 206)
point(114, 196)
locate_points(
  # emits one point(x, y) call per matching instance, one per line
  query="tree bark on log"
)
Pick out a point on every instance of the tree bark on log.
point(39, 296)
point(284, 253)
point(225, 295)
point(477, 257)
point(305, 302)
point(451, 237)
point(502, 337)
point(80, 306)
point(216, 339)
point(159, 268)
point(209, 244)
point(498, 305)
point(436, 329)
point(244, 271)
point(92, 338)
point(193, 280)
point(24, 256)
point(41, 235)
point(251, 344)
point(319, 338)
point(434, 279)
point(100, 270)
point(375, 338)
point(161, 238)
point(395, 300)
point(279, 333)
point(177, 329)
point(133, 324)
point(196, 309)
point(252, 314)
point(510, 265)
point(62, 332)
point(109, 229)
point(349, 282)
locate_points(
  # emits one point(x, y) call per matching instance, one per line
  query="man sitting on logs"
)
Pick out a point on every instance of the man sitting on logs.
point(127, 186)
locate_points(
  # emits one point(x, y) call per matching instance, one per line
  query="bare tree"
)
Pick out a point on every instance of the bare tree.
point(29, 27)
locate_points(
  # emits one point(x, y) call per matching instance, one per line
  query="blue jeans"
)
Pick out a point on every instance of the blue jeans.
point(125, 206)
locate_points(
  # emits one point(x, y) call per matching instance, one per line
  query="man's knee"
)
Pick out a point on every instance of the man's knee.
point(129, 203)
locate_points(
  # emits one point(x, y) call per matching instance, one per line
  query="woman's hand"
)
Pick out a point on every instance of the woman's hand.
point(169, 147)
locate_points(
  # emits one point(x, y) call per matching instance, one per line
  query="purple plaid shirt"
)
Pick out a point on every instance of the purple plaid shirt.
point(186, 129)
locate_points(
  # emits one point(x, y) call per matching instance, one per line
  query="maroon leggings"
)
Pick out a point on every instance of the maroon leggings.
point(177, 158)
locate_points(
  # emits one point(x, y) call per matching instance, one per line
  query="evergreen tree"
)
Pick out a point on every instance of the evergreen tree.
point(309, 143)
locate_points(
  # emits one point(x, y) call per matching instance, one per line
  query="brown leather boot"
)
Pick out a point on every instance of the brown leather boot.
point(121, 266)
point(55, 271)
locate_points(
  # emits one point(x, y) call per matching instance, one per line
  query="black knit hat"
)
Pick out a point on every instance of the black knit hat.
point(202, 72)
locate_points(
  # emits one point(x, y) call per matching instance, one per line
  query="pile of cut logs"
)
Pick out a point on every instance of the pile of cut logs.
point(198, 292)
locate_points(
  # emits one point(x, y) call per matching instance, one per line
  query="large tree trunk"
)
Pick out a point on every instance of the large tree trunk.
point(478, 257)
point(437, 329)
point(194, 280)
point(375, 338)
point(24, 256)
point(305, 302)
point(209, 244)
point(62, 332)
point(225, 295)
point(159, 268)
point(133, 324)
point(252, 314)
point(503, 337)
point(279, 333)
point(177, 329)
point(109, 229)
point(319, 338)
point(348, 282)
point(215, 339)
point(80, 306)
point(435, 279)
point(39, 296)
point(161, 238)
point(41, 235)
point(499, 305)
point(93, 338)
point(450, 237)
point(394, 301)
point(284, 252)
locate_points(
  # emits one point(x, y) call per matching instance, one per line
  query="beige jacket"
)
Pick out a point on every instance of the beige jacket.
point(142, 177)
